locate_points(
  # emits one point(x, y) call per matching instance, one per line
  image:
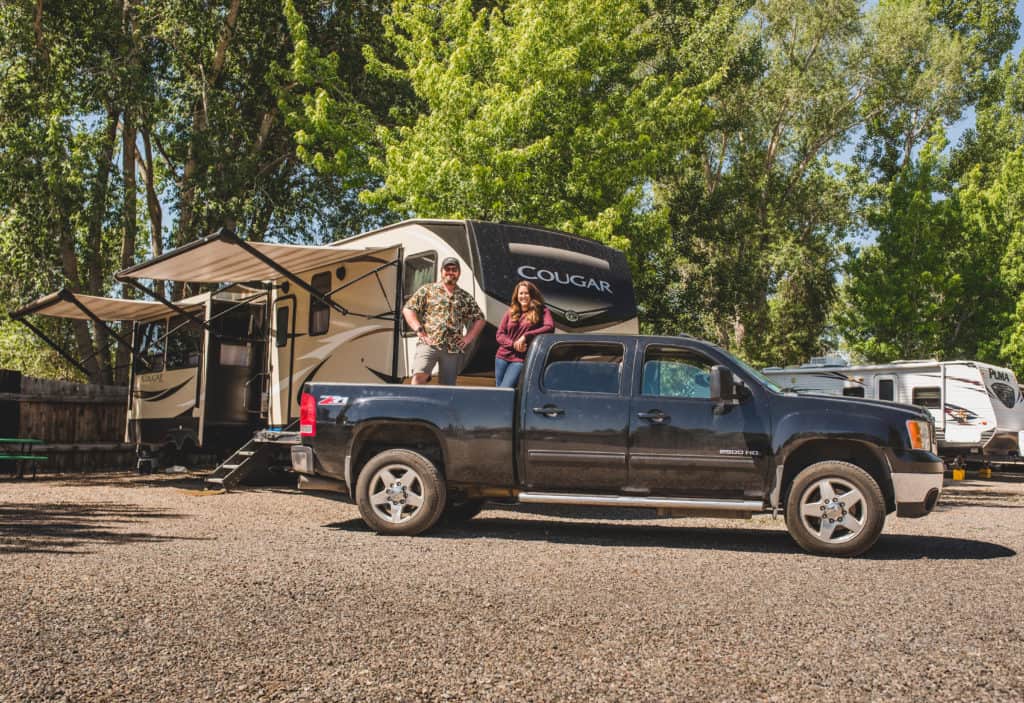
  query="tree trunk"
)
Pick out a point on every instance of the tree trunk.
point(130, 216)
point(186, 212)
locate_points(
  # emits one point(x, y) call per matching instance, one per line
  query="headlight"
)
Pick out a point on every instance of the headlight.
point(920, 433)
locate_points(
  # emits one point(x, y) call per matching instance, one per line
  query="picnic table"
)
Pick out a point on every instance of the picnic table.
point(21, 451)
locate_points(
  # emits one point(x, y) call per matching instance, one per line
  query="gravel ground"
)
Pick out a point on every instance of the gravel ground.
point(129, 588)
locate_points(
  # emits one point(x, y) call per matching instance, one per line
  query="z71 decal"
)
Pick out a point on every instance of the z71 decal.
point(333, 400)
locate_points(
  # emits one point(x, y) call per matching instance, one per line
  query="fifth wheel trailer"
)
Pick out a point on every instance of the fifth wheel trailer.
point(978, 408)
point(212, 369)
point(335, 311)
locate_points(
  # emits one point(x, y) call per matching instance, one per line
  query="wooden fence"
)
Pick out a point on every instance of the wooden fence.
point(81, 425)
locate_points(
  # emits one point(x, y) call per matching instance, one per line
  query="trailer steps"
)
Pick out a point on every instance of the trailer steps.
point(255, 455)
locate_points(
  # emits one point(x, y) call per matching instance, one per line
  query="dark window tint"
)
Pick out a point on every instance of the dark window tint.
point(583, 368)
point(184, 343)
point(281, 326)
point(319, 311)
point(929, 397)
point(854, 391)
point(149, 346)
point(885, 389)
point(419, 270)
point(676, 373)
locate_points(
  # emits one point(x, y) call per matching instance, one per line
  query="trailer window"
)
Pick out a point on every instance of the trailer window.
point(927, 397)
point(583, 368)
point(281, 327)
point(676, 373)
point(885, 389)
point(319, 311)
point(184, 344)
point(149, 347)
point(854, 391)
point(419, 270)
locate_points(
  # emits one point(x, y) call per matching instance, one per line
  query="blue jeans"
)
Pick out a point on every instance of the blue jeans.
point(506, 373)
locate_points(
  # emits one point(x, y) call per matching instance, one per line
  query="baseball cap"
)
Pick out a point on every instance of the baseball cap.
point(450, 261)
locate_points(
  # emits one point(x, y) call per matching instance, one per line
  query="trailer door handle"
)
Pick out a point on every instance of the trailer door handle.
point(654, 416)
point(549, 410)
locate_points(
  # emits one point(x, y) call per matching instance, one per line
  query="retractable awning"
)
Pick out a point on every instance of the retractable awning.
point(224, 257)
point(77, 306)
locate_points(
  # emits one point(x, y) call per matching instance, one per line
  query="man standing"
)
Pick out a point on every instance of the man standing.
point(438, 313)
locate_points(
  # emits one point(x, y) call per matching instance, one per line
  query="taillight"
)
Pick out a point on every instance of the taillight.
point(307, 416)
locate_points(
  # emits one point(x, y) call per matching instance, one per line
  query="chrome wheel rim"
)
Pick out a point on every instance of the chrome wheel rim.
point(833, 510)
point(396, 493)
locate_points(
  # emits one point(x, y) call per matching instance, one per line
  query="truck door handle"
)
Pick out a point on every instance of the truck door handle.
point(654, 416)
point(549, 410)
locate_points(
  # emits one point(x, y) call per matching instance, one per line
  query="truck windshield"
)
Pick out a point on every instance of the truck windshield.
point(761, 378)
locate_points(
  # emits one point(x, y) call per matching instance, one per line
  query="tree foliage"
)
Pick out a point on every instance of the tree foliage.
point(776, 170)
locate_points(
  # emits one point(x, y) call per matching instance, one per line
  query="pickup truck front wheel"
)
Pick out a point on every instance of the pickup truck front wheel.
point(836, 509)
point(400, 492)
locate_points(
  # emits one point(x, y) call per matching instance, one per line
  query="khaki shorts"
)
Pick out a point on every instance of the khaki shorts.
point(426, 357)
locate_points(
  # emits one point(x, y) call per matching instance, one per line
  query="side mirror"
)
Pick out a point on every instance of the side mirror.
point(723, 387)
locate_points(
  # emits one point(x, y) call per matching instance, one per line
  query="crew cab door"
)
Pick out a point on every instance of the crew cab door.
point(684, 443)
point(575, 418)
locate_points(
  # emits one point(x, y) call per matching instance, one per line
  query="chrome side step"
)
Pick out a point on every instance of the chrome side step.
point(739, 506)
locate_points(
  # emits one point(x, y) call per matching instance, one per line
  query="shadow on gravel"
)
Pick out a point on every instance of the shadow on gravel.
point(889, 547)
point(64, 528)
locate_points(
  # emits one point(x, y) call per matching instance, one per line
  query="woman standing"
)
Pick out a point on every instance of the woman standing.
point(526, 317)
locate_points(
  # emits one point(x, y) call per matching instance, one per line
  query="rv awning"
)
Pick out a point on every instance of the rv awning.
point(77, 306)
point(223, 257)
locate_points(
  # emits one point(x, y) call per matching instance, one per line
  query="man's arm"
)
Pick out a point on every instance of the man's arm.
point(472, 334)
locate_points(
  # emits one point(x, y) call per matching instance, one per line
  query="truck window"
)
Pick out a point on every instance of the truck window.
point(149, 347)
point(928, 397)
point(583, 368)
point(319, 311)
point(184, 344)
point(673, 372)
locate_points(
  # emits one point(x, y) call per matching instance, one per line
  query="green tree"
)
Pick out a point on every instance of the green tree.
point(534, 110)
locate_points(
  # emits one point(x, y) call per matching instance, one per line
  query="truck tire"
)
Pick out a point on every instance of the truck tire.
point(835, 509)
point(460, 511)
point(400, 492)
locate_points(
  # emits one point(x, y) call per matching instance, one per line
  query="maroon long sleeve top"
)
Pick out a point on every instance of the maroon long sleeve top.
point(509, 332)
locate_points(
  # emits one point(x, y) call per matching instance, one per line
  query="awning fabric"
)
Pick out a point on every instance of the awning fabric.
point(222, 258)
point(61, 304)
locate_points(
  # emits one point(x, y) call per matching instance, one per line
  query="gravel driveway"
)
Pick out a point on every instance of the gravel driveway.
point(129, 588)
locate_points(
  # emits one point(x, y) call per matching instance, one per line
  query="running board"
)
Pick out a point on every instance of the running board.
point(736, 506)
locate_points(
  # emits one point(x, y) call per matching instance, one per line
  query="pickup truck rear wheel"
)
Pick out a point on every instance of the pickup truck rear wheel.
point(400, 492)
point(836, 509)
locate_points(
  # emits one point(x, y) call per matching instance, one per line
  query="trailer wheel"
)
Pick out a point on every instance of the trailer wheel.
point(835, 509)
point(400, 492)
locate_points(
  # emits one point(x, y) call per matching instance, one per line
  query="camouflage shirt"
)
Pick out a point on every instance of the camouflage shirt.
point(444, 316)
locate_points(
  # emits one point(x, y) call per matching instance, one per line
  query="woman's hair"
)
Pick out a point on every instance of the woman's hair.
point(536, 309)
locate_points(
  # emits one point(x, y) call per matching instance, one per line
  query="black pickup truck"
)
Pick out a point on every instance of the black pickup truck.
point(670, 423)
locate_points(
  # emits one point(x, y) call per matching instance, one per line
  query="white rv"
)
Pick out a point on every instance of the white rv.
point(978, 408)
point(329, 312)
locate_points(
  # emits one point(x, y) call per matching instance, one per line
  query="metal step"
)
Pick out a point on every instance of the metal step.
point(739, 506)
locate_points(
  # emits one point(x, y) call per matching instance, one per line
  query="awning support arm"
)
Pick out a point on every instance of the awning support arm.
point(256, 253)
point(73, 299)
point(53, 345)
point(134, 283)
point(373, 272)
